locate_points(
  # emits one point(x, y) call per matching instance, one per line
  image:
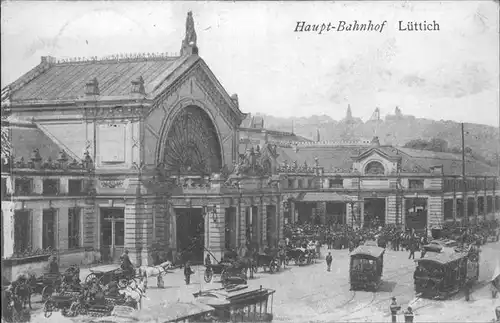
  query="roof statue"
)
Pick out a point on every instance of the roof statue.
point(189, 43)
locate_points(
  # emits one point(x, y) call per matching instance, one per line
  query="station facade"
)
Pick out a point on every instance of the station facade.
point(133, 151)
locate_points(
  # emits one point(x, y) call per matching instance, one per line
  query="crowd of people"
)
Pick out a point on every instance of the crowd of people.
point(388, 236)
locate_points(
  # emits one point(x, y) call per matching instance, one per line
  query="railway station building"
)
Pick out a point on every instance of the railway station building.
point(133, 151)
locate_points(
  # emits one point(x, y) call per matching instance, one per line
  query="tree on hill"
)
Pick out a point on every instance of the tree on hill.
point(435, 144)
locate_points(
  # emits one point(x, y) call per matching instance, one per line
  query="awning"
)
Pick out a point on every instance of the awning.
point(324, 197)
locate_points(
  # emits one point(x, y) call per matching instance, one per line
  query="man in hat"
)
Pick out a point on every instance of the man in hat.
point(126, 264)
point(329, 260)
point(409, 315)
point(394, 308)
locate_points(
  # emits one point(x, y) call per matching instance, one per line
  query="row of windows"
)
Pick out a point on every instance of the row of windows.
point(23, 229)
point(301, 183)
point(471, 184)
point(25, 186)
point(482, 207)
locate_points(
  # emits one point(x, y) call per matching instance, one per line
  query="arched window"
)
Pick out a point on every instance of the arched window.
point(374, 168)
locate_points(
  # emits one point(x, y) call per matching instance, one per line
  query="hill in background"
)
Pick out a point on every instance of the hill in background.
point(396, 129)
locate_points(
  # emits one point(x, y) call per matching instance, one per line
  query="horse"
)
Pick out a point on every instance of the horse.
point(153, 271)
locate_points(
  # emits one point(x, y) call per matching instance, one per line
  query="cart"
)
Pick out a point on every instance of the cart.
point(225, 270)
point(118, 275)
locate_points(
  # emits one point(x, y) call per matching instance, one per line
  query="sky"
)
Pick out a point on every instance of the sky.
point(451, 74)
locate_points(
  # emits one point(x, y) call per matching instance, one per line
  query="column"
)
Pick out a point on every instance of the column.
point(476, 207)
point(8, 228)
point(485, 198)
point(281, 220)
point(242, 225)
point(90, 228)
point(263, 222)
point(131, 235)
point(237, 225)
point(321, 206)
point(147, 232)
point(454, 208)
point(216, 231)
point(391, 210)
point(293, 216)
point(434, 211)
point(62, 217)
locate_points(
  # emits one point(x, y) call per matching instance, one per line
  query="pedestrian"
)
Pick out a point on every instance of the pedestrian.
point(412, 250)
point(422, 251)
point(329, 261)
point(409, 315)
point(468, 290)
point(188, 272)
point(494, 289)
point(394, 308)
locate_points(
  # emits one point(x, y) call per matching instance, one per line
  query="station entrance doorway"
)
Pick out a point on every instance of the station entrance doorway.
point(190, 233)
point(374, 212)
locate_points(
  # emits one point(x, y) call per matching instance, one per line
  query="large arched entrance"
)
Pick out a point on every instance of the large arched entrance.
point(192, 145)
point(192, 148)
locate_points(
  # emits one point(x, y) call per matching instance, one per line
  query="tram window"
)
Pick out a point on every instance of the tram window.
point(363, 264)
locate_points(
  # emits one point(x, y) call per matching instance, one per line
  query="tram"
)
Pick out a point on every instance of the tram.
point(441, 274)
point(366, 267)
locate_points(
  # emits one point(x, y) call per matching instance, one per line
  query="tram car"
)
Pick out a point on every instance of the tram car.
point(366, 267)
point(239, 304)
point(442, 274)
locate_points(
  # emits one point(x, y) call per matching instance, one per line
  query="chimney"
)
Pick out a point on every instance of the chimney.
point(138, 86)
point(92, 87)
point(49, 60)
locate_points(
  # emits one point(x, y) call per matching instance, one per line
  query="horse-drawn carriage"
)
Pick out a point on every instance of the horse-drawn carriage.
point(300, 256)
point(266, 260)
point(122, 277)
point(226, 270)
point(366, 267)
point(440, 275)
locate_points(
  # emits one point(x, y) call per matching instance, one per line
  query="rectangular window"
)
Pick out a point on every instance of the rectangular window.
point(460, 208)
point(24, 186)
point(299, 183)
point(74, 219)
point(310, 183)
point(470, 206)
point(489, 204)
point(336, 183)
point(290, 183)
point(22, 231)
point(50, 186)
point(416, 184)
point(480, 204)
point(448, 209)
point(75, 187)
point(49, 229)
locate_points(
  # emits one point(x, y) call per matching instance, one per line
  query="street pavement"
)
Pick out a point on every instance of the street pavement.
point(311, 294)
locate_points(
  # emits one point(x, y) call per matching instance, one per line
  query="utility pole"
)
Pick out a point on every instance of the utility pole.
point(466, 215)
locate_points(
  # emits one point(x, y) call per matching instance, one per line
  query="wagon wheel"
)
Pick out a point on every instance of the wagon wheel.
point(91, 278)
point(208, 275)
point(287, 261)
point(244, 273)
point(47, 292)
point(132, 283)
point(255, 267)
point(123, 283)
point(272, 267)
point(48, 308)
point(224, 275)
point(302, 260)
